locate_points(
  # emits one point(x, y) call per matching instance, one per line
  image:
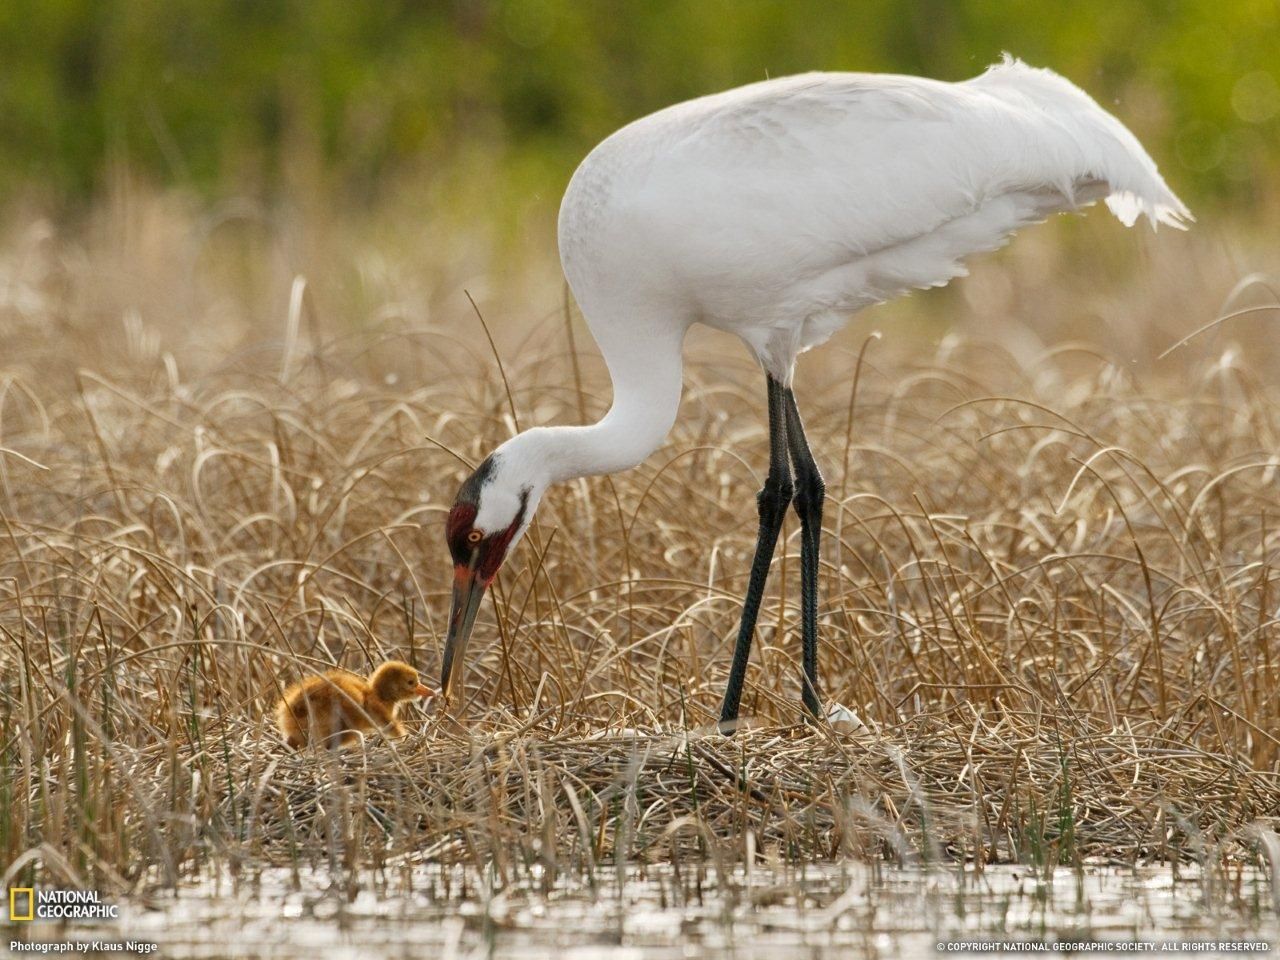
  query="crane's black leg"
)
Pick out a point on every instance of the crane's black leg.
point(771, 502)
point(810, 491)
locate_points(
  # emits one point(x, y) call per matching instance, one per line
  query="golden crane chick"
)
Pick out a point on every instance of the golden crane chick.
point(336, 707)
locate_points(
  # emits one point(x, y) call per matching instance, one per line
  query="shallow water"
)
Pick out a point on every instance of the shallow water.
point(819, 912)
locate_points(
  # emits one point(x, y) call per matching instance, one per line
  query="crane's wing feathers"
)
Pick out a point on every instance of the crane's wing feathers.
point(1105, 146)
point(785, 204)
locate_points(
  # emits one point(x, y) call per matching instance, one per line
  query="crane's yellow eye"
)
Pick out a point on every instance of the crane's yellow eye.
point(474, 537)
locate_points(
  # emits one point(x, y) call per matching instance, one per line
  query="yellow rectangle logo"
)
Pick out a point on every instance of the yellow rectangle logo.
point(30, 913)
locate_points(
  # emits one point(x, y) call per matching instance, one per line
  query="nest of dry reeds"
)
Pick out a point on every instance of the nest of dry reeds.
point(1044, 790)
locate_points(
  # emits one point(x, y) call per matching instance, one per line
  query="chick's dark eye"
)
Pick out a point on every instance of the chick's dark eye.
point(474, 537)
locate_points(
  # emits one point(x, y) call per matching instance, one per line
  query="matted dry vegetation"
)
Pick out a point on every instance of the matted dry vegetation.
point(1048, 590)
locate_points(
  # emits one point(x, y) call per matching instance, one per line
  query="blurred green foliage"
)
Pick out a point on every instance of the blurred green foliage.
point(352, 95)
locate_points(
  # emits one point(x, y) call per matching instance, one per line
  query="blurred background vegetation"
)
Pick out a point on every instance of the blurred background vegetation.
point(500, 98)
point(183, 161)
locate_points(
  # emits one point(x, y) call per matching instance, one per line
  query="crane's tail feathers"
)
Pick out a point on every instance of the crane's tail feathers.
point(1128, 206)
point(1091, 143)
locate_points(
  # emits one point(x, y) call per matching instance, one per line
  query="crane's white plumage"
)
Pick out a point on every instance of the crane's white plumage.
point(777, 209)
point(774, 212)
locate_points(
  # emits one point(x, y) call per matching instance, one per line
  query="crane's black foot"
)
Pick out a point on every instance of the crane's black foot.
point(812, 703)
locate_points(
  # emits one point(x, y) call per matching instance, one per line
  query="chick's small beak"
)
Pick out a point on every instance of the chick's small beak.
point(422, 690)
point(468, 590)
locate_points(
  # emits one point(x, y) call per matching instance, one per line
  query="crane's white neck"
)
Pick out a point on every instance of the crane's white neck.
point(645, 366)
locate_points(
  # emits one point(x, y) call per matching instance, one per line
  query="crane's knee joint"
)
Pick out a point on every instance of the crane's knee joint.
point(774, 496)
point(810, 493)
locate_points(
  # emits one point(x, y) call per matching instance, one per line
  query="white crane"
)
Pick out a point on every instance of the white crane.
point(775, 211)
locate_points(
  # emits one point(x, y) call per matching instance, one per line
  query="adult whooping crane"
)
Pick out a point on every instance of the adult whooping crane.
point(775, 211)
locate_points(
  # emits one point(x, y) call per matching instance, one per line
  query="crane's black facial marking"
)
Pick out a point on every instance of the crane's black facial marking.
point(458, 527)
point(469, 492)
point(479, 550)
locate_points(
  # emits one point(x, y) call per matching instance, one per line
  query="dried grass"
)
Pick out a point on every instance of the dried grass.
point(1047, 589)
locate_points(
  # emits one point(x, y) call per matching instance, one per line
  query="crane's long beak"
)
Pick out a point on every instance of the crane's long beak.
point(468, 591)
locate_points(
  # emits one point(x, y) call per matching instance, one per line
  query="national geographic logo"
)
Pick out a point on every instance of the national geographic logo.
point(18, 896)
point(30, 903)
